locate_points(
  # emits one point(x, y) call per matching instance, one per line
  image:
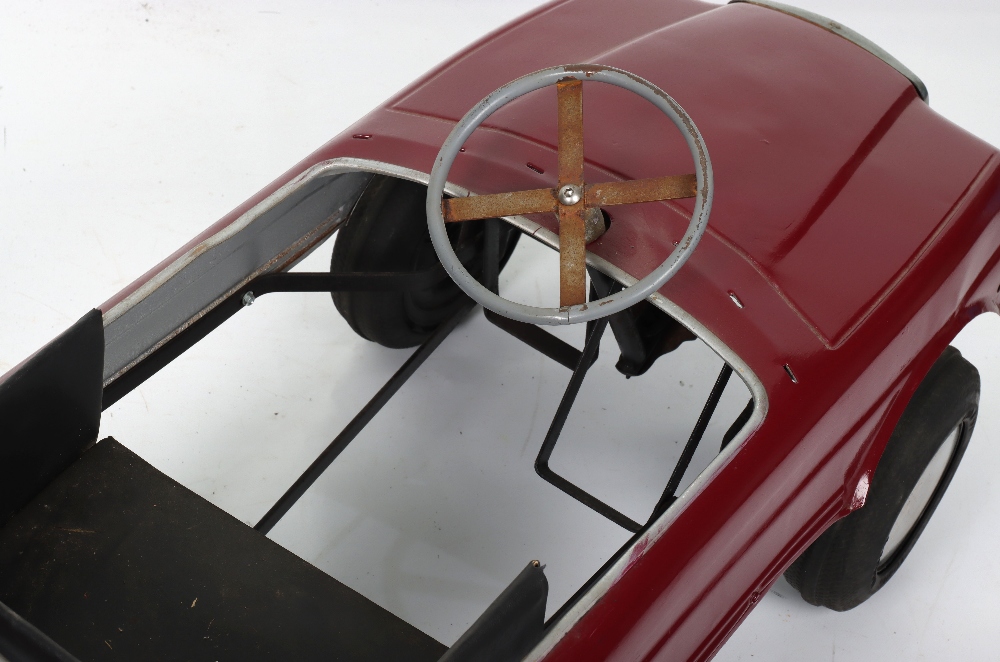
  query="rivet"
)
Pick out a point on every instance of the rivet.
point(362, 136)
point(736, 300)
point(532, 166)
point(791, 374)
point(569, 194)
point(248, 299)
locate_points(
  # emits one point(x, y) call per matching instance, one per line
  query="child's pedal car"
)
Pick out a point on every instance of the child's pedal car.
point(752, 178)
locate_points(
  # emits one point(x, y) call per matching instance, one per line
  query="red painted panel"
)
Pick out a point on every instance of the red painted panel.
point(561, 33)
point(840, 266)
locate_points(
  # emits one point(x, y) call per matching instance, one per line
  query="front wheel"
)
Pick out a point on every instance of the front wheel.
point(387, 231)
point(858, 554)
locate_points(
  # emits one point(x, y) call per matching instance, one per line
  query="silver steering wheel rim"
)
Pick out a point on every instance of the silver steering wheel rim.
point(608, 305)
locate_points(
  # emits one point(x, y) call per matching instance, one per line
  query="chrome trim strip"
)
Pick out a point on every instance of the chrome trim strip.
point(271, 237)
point(321, 169)
point(344, 165)
point(850, 35)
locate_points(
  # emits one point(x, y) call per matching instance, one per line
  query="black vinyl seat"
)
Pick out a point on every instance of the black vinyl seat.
point(114, 560)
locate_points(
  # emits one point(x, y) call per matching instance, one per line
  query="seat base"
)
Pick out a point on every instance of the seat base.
point(114, 560)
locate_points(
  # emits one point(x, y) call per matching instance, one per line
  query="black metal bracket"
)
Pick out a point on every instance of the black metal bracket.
point(636, 351)
point(669, 493)
point(559, 421)
point(359, 422)
point(537, 338)
point(555, 429)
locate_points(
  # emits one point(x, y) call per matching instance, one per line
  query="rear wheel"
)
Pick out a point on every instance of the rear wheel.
point(387, 231)
point(858, 554)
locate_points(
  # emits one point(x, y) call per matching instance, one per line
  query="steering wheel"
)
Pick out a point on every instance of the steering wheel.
point(571, 198)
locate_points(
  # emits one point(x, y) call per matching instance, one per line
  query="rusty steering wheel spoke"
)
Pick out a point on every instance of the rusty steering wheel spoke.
point(640, 190)
point(544, 200)
point(497, 205)
point(572, 225)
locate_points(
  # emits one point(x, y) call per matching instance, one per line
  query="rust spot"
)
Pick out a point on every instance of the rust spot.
point(570, 122)
point(496, 205)
point(589, 69)
point(362, 136)
point(532, 166)
point(572, 256)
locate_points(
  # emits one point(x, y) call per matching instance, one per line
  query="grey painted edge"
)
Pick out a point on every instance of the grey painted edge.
point(847, 33)
point(193, 285)
point(133, 303)
point(549, 238)
point(614, 303)
point(325, 168)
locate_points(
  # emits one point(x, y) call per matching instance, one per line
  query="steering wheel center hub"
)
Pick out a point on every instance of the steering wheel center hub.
point(570, 195)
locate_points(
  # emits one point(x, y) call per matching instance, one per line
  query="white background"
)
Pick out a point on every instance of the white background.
point(129, 127)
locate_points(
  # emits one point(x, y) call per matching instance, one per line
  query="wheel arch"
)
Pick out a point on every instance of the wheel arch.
point(862, 472)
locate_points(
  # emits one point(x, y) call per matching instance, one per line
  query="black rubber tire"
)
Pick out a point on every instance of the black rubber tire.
point(387, 231)
point(842, 568)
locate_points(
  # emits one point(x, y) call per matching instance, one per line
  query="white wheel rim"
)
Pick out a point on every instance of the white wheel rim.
point(921, 495)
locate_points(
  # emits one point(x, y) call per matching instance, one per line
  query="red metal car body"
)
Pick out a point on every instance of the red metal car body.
point(856, 228)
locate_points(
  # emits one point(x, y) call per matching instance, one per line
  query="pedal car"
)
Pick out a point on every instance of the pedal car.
point(748, 193)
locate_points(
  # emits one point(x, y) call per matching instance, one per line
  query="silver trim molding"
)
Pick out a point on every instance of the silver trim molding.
point(850, 35)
